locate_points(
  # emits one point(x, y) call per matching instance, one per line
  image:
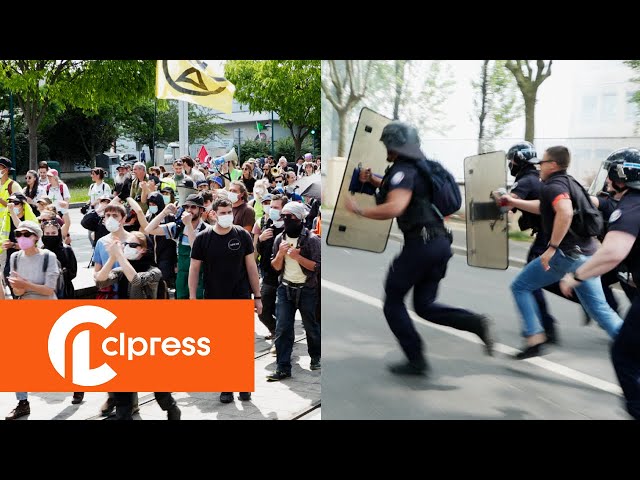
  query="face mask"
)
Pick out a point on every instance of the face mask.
point(153, 209)
point(167, 199)
point(26, 243)
point(278, 224)
point(233, 197)
point(267, 209)
point(274, 214)
point(16, 211)
point(279, 185)
point(130, 253)
point(111, 224)
point(208, 208)
point(514, 168)
point(51, 242)
point(292, 227)
point(225, 221)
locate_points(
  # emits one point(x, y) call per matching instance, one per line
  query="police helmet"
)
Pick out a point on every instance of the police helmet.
point(402, 138)
point(522, 152)
point(624, 167)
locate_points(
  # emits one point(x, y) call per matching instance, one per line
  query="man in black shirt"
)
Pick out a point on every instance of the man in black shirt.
point(565, 252)
point(230, 270)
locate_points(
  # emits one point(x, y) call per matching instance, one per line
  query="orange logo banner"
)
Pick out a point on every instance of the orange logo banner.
point(127, 346)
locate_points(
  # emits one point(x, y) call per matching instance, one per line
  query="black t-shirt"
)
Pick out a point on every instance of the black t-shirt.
point(270, 276)
point(527, 187)
point(554, 189)
point(223, 262)
point(626, 218)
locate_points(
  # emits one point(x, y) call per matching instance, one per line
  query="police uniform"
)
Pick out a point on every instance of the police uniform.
point(527, 187)
point(625, 353)
point(421, 264)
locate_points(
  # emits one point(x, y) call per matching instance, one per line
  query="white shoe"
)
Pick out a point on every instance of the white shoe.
point(273, 350)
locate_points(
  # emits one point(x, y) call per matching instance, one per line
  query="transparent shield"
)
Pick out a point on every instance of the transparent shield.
point(487, 227)
point(367, 151)
point(599, 182)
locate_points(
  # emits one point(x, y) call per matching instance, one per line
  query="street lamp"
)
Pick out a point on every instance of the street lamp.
point(313, 141)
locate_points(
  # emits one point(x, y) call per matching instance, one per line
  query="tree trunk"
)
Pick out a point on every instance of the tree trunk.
point(342, 132)
point(529, 112)
point(400, 64)
point(483, 109)
point(297, 142)
point(33, 145)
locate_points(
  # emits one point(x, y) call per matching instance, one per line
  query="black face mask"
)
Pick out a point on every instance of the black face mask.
point(514, 168)
point(51, 242)
point(292, 227)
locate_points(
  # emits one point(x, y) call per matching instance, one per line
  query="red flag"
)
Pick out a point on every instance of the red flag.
point(202, 154)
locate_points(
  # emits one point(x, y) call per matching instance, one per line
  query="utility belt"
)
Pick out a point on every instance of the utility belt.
point(296, 286)
point(293, 291)
point(428, 233)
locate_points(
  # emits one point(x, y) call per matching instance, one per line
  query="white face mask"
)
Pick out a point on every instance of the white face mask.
point(225, 221)
point(130, 253)
point(266, 209)
point(111, 224)
point(16, 211)
point(278, 224)
point(153, 209)
point(233, 197)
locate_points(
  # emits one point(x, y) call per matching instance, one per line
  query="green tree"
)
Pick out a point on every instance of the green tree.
point(415, 90)
point(495, 102)
point(291, 88)
point(77, 137)
point(138, 124)
point(635, 66)
point(344, 84)
point(84, 84)
point(528, 82)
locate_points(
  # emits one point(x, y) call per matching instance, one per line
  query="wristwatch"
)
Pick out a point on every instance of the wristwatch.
point(576, 278)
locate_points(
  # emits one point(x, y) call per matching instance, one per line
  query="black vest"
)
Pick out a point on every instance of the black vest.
point(419, 213)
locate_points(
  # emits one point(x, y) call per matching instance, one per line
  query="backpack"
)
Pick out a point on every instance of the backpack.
point(587, 219)
point(446, 197)
point(60, 283)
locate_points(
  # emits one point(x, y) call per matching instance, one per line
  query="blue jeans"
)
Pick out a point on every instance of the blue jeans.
point(533, 276)
point(22, 395)
point(285, 318)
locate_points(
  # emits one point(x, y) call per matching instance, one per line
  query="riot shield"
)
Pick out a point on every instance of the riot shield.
point(487, 224)
point(599, 182)
point(367, 151)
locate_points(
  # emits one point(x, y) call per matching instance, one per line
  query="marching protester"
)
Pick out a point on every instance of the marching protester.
point(225, 251)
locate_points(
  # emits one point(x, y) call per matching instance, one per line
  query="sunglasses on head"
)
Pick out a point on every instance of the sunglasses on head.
point(19, 234)
point(133, 244)
point(49, 223)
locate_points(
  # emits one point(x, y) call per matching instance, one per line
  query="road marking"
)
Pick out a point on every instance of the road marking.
point(499, 347)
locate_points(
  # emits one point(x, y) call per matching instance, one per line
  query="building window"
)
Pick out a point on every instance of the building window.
point(609, 107)
point(631, 109)
point(589, 107)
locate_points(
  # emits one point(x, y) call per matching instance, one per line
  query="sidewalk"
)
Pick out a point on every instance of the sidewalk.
point(285, 400)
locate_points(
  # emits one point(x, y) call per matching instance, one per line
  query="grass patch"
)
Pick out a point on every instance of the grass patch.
point(79, 188)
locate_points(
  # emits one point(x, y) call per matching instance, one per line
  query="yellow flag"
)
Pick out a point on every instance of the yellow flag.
point(194, 81)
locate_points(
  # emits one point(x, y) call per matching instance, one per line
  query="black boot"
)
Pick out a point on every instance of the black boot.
point(418, 367)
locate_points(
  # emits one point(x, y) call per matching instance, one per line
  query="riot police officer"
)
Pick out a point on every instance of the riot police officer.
point(406, 195)
point(527, 187)
point(621, 242)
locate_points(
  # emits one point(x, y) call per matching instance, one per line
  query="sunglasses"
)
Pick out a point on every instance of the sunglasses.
point(23, 234)
point(545, 161)
point(287, 216)
point(133, 244)
point(50, 223)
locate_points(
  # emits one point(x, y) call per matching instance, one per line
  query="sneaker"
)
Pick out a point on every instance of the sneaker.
point(315, 364)
point(226, 397)
point(486, 334)
point(108, 407)
point(174, 413)
point(277, 376)
point(21, 410)
point(530, 351)
point(410, 368)
point(245, 396)
point(77, 398)
point(273, 350)
point(552, 337)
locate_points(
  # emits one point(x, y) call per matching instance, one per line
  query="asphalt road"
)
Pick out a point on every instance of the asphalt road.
point(573, 381)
